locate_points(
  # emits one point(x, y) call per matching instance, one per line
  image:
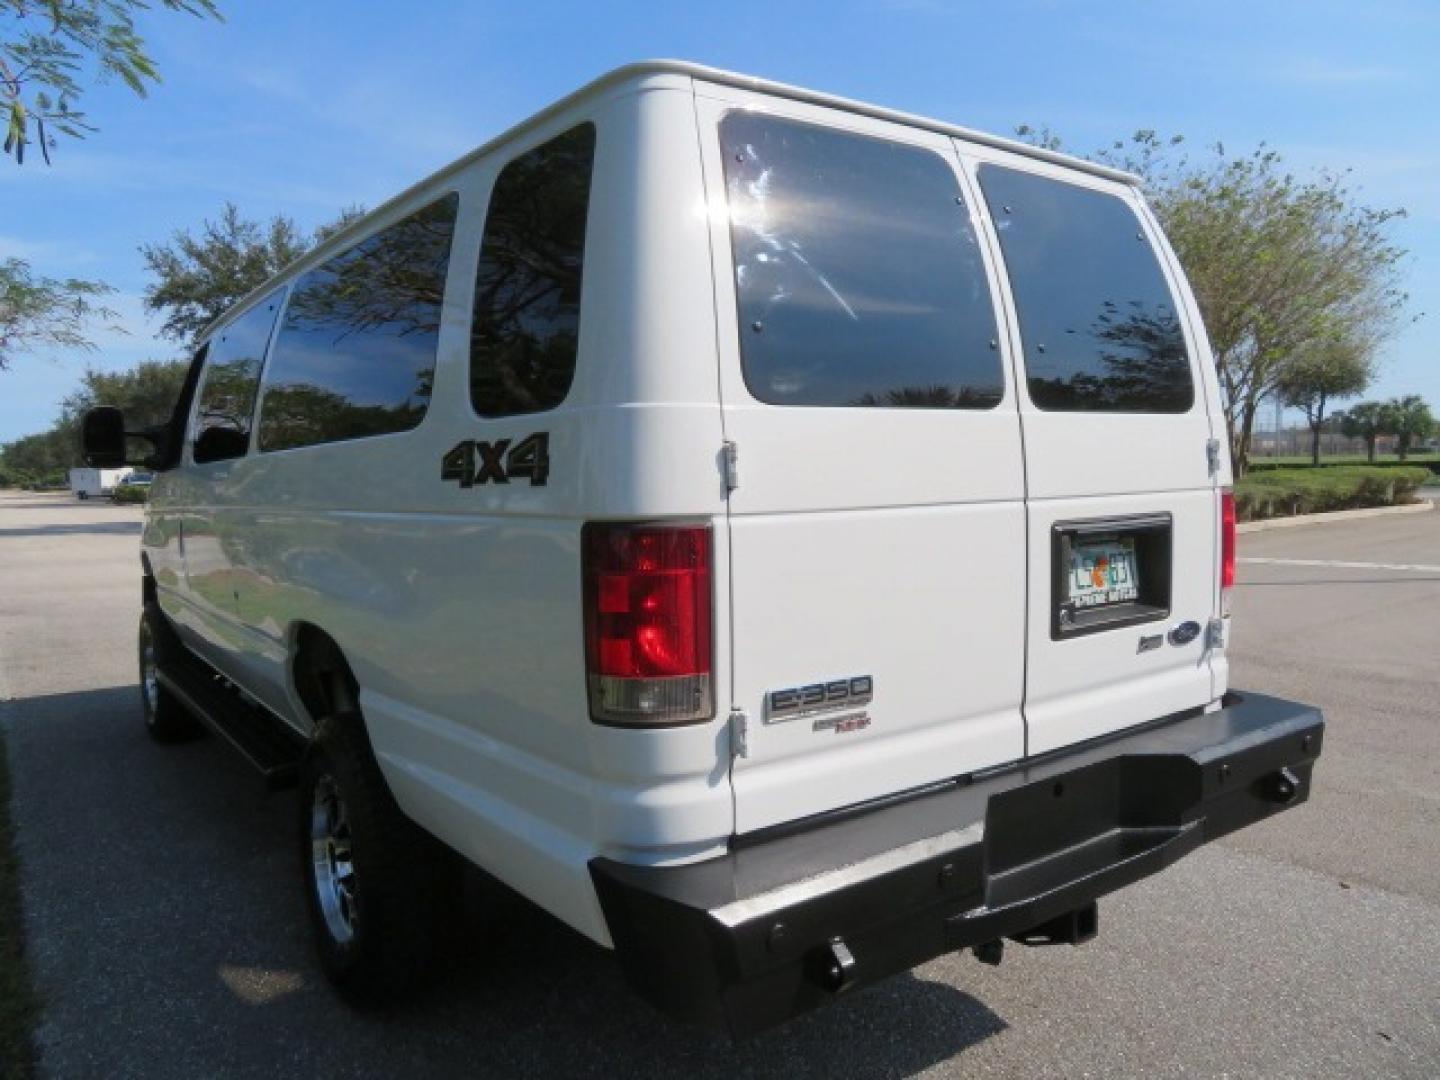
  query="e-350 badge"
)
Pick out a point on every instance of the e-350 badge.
point(817, 698)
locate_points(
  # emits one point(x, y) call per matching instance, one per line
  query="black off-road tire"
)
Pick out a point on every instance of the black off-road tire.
point(166, 720)
point(383, 895)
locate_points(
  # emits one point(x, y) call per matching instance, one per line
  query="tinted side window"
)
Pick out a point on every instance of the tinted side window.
point(857, 275)
point(355, 355)
point(1100, 327)
point(227, 394)
point(527, 294)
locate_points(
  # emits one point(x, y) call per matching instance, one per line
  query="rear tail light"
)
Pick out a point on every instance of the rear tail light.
point(1227, 548)
point(647, 623)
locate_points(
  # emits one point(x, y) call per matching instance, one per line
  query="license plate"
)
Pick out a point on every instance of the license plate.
point(1102, 572)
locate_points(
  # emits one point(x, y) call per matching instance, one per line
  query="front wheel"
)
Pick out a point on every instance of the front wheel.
point(382, 893)
point(166, 720)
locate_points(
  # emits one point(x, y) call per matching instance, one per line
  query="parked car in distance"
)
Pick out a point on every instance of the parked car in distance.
point(784, 538)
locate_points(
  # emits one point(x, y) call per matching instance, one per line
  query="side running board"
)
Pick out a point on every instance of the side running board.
point(261, 739)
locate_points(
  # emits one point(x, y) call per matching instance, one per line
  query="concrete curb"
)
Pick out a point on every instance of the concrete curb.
point(1334, 516)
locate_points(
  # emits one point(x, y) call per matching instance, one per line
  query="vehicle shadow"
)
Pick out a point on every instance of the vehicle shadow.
point(93, 528)
point(201, 918)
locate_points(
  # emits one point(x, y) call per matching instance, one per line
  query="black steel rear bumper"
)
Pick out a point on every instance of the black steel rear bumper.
point(784, 923)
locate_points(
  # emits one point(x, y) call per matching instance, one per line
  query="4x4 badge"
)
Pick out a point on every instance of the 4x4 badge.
point(473, 462)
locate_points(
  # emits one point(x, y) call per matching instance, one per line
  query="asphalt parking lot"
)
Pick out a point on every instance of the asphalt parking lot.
point(167, 932)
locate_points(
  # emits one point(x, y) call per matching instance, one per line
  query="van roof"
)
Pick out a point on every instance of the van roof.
point(683, 68)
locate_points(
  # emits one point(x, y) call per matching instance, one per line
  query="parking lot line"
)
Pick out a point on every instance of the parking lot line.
point(1344, 565)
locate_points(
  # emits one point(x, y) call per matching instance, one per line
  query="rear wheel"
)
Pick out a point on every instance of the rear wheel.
point(382, 893)
point(166, 719)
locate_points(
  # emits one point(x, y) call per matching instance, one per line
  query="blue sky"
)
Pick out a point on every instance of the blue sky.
point(302, 108)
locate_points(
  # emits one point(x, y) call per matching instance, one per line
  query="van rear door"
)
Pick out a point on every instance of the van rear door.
point(1121, 494)
point(877, 533)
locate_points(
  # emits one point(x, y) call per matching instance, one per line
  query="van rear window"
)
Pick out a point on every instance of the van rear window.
point(1099, 325)
point(858, 278)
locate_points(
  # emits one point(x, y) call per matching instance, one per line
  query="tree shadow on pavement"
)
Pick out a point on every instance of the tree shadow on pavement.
point(169, 938)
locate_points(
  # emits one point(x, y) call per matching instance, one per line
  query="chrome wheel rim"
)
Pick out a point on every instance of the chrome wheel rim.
point(332, 868)
point(149, 675)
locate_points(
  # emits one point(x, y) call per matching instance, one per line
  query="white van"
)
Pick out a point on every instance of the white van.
point(784, 538)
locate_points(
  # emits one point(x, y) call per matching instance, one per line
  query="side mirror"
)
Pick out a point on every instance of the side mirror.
point(103, 438)
point(220, 444)
point(102, 434)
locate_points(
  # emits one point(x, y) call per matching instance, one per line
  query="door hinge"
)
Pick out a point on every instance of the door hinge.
point(1215, 634)
point(1212, 455)
point(739, 733)
point(730, 462)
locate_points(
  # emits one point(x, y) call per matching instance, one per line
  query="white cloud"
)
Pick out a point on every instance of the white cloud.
point(1314, 71)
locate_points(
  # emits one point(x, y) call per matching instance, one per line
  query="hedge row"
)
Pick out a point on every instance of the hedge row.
point(1425, 461)
point(1284, 492)
point(16, 478)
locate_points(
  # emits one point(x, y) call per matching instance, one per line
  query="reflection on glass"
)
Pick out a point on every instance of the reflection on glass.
point(1099, 324)
point(857, 274)
point(355, 355)
point(227, 395)
point(527, 292)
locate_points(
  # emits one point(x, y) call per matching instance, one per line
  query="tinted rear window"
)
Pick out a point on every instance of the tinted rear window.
point(1099, 325)
point(355, 355)
point(526, 327)
point(858, 277)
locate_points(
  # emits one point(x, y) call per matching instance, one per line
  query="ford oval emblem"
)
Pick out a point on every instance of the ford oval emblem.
point(1185, 633)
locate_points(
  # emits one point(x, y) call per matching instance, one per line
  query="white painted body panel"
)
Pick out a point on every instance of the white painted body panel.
point(459, 610)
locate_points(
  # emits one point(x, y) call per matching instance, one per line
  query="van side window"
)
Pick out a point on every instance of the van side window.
point(230, 378)
point(858, 277)
point(355, 355)
point(527, 294)
point(1100, 327)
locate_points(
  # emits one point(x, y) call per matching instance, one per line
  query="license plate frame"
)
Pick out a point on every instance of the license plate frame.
point(1102, 572)
point(1146, 539)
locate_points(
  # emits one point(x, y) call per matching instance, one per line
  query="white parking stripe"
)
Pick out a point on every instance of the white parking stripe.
point(1416, 567)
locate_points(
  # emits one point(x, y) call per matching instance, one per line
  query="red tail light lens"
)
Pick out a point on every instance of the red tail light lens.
point(1227, 548)
point(647, 622)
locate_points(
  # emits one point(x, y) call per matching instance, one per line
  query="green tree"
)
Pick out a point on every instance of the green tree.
point(1409, 419)
point(348, 216)
point(199, 276)
point(35, 458)
point(1368, 420)
point(147, 393)
point(40, 312)
point(1331, 370)
point(47, 47)
point(1281, 265)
